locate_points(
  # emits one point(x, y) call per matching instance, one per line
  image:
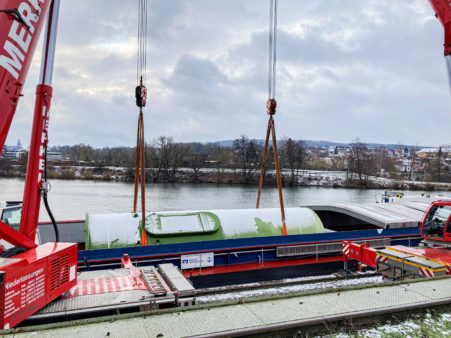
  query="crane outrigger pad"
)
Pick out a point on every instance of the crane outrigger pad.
point(400, 261)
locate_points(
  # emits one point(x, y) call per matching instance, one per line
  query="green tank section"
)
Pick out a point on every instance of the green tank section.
point(121, 230)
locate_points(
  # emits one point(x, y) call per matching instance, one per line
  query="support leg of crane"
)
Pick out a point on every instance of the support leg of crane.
point(345, 262)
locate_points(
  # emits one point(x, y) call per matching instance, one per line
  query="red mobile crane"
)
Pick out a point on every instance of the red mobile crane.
point(33, 278)
point(38, 274)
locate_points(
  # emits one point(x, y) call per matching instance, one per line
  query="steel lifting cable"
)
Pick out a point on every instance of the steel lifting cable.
point(141, 98)
point(271, 105)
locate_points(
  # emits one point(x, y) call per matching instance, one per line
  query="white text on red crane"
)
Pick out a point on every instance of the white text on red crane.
point(16, 46)
point(43, 145)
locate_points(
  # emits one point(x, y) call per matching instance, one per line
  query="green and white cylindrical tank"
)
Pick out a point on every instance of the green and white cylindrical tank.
point(122, 230)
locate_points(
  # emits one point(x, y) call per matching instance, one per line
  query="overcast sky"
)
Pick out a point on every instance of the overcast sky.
point(346, 68)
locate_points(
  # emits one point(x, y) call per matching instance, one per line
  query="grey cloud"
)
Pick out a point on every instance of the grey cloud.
point(195, 75)
point(351, 68)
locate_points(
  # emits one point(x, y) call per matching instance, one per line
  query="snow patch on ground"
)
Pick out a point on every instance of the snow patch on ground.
point(421, 327)
point(283, 290)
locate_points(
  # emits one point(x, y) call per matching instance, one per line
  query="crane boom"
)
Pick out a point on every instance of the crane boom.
point(21, 22)
point(442, 9)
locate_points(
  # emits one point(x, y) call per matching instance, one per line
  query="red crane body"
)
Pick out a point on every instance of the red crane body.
point(442, 10)
point(18, 39)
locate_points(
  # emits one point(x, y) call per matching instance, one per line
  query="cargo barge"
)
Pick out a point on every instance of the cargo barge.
point(220, 260)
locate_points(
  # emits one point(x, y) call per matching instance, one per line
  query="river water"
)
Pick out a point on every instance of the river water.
point(72, 199)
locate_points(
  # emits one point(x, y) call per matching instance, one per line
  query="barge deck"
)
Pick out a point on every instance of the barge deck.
point(379, 215)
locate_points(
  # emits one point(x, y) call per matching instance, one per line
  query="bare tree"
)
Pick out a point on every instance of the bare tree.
point(357, 158)
point(221, 158)
point(153, 161)
point(292, 156)
point(170, 156)
point(247, 154)
point(439, 156)
point(195, 160)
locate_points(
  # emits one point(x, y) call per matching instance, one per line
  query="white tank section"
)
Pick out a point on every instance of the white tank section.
point(106, 230)
point(116, 230)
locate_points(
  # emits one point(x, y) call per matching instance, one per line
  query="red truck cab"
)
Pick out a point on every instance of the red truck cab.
point(436, 224)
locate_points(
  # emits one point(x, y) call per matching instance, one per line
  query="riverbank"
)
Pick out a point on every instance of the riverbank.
point(302, 178)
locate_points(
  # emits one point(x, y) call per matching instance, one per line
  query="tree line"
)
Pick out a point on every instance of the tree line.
point(241, 162)
point(164, 157)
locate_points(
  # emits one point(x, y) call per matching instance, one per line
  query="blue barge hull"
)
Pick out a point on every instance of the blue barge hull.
point(236, 251)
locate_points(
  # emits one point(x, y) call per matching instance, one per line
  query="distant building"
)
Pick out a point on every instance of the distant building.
point(406, 152)
point(54, 156)
point(433, 152)
point(406, 165)
point(13, 155)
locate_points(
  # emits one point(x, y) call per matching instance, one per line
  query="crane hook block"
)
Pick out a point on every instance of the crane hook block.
point(271, 105)
point(141, 96)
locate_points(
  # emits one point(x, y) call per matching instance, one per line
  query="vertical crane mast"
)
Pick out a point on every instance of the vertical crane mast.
point(34, 186)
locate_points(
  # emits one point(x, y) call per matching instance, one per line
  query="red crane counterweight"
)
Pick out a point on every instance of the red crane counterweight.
point(34, 278)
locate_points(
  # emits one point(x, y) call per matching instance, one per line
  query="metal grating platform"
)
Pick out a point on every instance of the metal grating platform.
point(153, 291)
point(273, 314)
